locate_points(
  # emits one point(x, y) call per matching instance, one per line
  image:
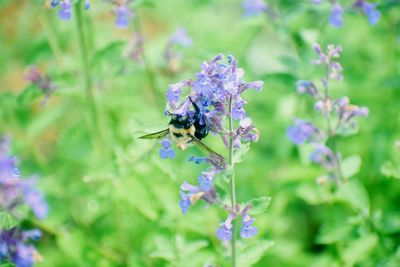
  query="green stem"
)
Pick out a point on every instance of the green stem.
point(90, 96)
point(331, 133)
point(232, 180)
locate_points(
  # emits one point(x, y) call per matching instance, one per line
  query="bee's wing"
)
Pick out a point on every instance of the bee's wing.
point(156, 135)
point(204, 146)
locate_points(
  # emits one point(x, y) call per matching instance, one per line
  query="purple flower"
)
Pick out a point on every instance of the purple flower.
point(87, 4)
point(123, 16)
point(248, 230)
point(302, 131)
point(307, 87)
point(14, 191)
point(166, 151)
point(180, 37)
point(190, 194)
point(336, 18)
point(205, 181)
point(254, 7)
point(15, 248)
point(224, 231)
point(42, 82)
point(369, 10)
point(346, 112)
point(65, 11)
point(324, 156)
point(34, 199)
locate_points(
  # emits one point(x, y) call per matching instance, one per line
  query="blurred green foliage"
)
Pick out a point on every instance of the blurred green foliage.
point(117, 204)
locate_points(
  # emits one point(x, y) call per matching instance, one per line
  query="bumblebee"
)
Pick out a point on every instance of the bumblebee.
point(185, 130)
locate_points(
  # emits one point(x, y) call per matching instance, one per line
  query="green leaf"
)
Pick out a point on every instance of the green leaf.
point(330, 234)
point(28, 95)
point(7, 221)
point(241, 153)
point(359, 249)
point(253, 253)
point(390, 169)
point(259, 204)
point(354, 193)
point(6, 264)
point(351, 166)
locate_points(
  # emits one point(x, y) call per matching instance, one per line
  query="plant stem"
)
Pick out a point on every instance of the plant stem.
point(232, 180)
point(90, 97)
point(331, 133)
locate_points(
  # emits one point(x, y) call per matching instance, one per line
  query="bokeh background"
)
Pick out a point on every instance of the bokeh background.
point(114, 202)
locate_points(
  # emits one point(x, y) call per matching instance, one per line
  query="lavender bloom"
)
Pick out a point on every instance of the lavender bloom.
point(34, 199)
point(166, 151)
point(324, 156)
point(336, 18)
point(254, 7)
point(224, 232)
point(15, 248)
point(65, 11)
point(43, 82)
point(180, 37)
point(123, 16)
point(247, 230)
point(190, 194)
point(14, 191)
point(307, 87)
point(87, 4)
point(369, 10)
point(347, 112)
point(302, 132)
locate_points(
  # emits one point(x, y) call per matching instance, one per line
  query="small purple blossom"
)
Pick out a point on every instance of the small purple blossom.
point(54, 3)
point(336, 17)
point(369, 9)
point(15, 247)
point(324, 156)
point(254, 7)
point(123, 15)
point(15, 191)
point(247, 230)
point(87, 4)
point(42, 82)
point(302, 131)
point(65, 11)
point(166, 151)
point(180, 37)
point(224, 231)
point(190, 194)
point(307, 87)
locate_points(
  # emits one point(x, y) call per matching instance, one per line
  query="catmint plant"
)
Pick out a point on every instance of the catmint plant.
point(15, 194)
point(123, 13)
point(338, 115)
point(363, 6)
point(217, 92)
point(42, 82)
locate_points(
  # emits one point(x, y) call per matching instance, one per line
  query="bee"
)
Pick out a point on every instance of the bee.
point(185, 130)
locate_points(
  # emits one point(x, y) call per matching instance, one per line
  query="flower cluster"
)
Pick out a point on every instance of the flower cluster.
point(15, 247)
point(224, 232)
point(43, 82)
point(254, 7)
point(338, 113)
point(369, 9)
point(65, 11)
point(14, 193)
point(213, 97)
point(123, 13)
